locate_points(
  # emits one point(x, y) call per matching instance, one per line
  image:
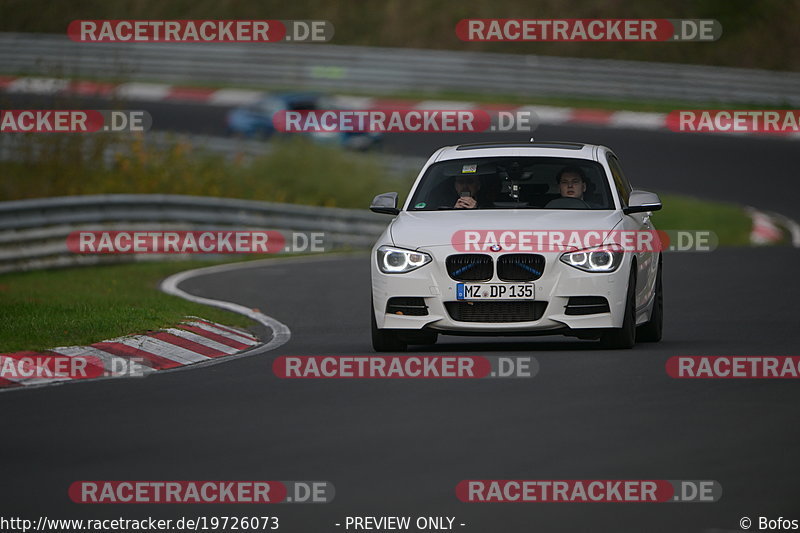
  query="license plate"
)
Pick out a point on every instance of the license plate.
point(494, 291)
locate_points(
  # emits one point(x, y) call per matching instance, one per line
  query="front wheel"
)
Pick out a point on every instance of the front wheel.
point(651, 330)
point(385, 340)
point(625, 337)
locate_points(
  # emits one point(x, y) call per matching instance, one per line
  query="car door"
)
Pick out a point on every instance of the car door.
point(646, 261)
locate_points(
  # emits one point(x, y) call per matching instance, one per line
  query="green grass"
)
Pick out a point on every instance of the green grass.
point(80, 306)
point(296, 171)
point(729, 221)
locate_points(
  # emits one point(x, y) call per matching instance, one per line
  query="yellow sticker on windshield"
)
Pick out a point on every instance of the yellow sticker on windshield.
point(469, 169)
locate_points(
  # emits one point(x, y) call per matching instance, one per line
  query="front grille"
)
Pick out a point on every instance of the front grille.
point(470, 267)
point(586, 305)
point(495, 311)
point(520, 267)
point(407, 305)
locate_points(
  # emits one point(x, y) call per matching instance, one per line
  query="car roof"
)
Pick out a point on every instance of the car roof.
point(294, 97)
point(289, 98)
point(520, 149)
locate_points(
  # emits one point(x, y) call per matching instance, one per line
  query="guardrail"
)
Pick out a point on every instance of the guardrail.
point(33, 232)
point(388, 70)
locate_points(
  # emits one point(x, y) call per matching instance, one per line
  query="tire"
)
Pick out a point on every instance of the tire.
point(625, 337)
point(385, 340)
point(651, 331)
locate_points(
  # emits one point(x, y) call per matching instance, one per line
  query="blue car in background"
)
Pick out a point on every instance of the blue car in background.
point(255, 121)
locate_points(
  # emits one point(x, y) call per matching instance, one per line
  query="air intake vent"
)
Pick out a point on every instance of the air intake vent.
point(470, 267)
point(407, 305)
point(586, 305)
point(520, 267)
point(495, 311)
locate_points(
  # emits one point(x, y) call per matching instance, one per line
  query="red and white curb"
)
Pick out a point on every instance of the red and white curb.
point(764, 230)
point(156, 92)
point(191, 342)
point(767, 228)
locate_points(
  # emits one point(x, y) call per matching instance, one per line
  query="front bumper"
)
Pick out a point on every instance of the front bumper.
point(557, 284)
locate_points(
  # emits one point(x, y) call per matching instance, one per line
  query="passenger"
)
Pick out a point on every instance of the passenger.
point(571, 182)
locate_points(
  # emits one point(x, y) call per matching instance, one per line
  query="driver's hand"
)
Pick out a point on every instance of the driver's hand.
point(466, 202)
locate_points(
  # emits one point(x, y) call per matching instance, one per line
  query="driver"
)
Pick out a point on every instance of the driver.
point(467, 188)
point(571, 182)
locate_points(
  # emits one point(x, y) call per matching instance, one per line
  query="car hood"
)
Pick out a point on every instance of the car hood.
point(416, 229)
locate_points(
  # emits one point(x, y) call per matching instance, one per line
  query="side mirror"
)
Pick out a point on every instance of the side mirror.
point(642, 202)
point(385, 203)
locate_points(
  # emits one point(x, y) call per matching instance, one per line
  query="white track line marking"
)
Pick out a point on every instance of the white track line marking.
point(38, 85)
point(794, 227)
point(164, 349)
point(353, 102)
point(281, 334)
point(635, 119)
point(548, 114)
point(143, 91)
point(234, 329)
point(205, 341)
point(235, 97)
point(445, 104)
point(223, 333)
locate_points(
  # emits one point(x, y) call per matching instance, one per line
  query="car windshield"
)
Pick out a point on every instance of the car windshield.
point(513, 183)
point(272, 105)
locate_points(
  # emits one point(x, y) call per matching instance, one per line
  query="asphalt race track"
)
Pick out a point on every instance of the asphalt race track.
point(399, 447)
point(757, 171)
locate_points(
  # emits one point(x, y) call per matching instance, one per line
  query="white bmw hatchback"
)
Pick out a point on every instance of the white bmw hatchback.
point(518, 239)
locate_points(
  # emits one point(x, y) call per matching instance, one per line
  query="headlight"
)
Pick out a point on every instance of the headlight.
point(605, 259)
point(393, 260)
